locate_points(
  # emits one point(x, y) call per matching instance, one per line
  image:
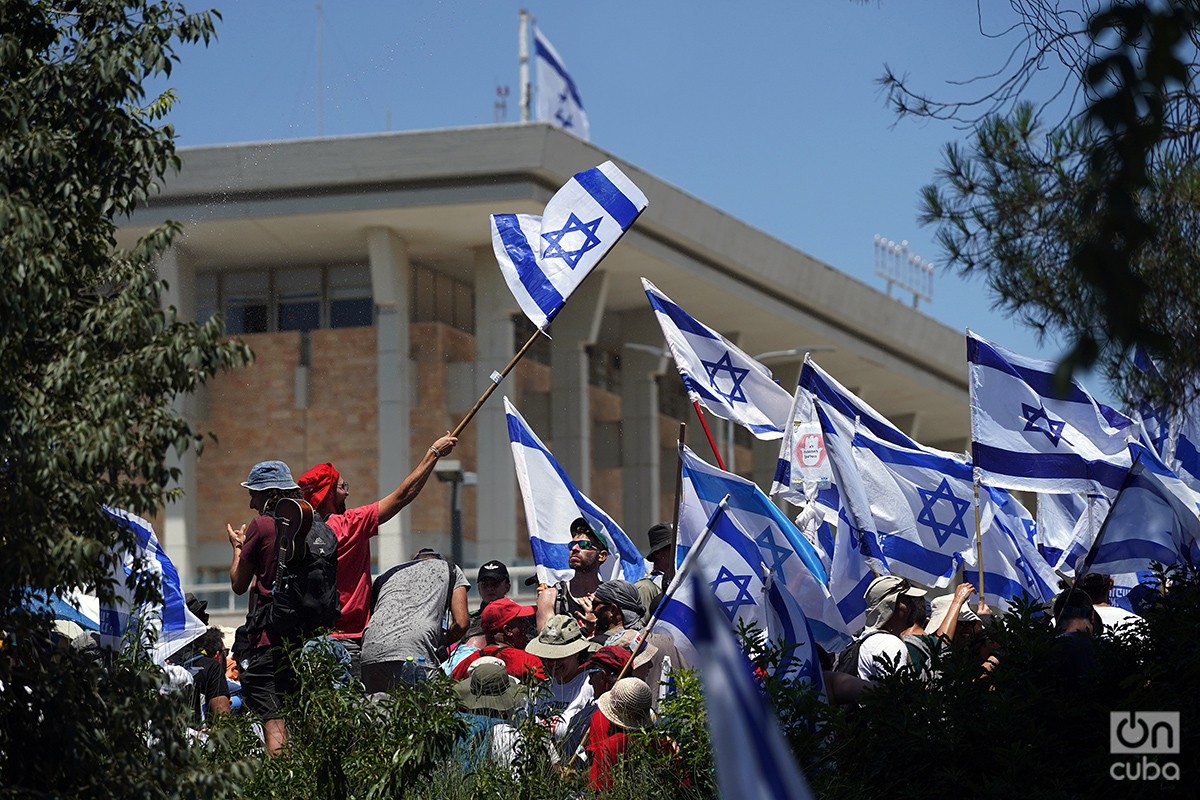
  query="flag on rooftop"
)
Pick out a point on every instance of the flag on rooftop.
point(718, 374)
point(751, 754)
point(557, 98)
point(552, 503)
point(169, 625)
point(1024, 437)
point(783, 549)
point(544, 259)
point(1153, 518)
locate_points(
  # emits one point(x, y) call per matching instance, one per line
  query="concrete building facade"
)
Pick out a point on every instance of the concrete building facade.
point(360, 270)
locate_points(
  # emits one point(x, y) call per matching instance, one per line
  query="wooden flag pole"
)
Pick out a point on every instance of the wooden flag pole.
point(678, 499)
point(978, 546)
point(496, 378)
point(708, 433)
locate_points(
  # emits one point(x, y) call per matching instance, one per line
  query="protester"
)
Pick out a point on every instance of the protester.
point(408, 604)
point(891, 603)
point(204, 659)
point(325, 490)
point(492, 583)
point(617, 607)
point(1075, 623)
point(650, 587)
point(662, 658)
point(621, 711)
point(603, 670)
point(489, 695)
point(564, 650)
point(948, 612)
point(588, 552)
point(505, 628)
point(1099, 588)
point(265, 673)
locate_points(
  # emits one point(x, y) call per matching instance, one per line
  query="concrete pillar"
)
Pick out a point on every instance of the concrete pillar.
point(496, 493)
point(390, 279)
point(179, 516)
point(570, 413)
point(639, 421)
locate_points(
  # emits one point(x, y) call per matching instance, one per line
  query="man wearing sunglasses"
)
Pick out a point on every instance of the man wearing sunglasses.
point(574, 598)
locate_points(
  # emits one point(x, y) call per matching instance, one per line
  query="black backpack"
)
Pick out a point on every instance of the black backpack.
point(847, 660)
point(305, 596)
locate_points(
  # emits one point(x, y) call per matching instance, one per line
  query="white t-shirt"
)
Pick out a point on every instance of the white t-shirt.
point(1115, 618)
point(879, 645)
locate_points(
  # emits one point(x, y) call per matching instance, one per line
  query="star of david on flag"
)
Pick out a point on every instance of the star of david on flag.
point(928, 516)
point(717, 374)
point(1023, 436)
point(741, 592)
point(557, 98)
point(544, 259)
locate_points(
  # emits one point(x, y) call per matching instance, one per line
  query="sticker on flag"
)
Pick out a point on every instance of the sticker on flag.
point(810, 462)
point(544, 259)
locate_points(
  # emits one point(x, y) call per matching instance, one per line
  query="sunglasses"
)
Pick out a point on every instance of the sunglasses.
point(584, 544)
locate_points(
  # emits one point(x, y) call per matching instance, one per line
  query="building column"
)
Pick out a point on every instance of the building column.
point(640, 368)
point(179, 516)
point(570, 411)
point(496, 492)
point(390, 279)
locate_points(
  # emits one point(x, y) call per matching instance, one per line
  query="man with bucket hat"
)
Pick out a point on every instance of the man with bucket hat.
point(488, 695)
point(265, 674)
point(564, 650)
point(891, 601)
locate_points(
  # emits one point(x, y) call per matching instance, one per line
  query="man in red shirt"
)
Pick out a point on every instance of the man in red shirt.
point(505, 624)
point(327, 492)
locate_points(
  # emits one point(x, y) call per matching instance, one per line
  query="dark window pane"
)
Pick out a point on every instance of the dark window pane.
point(246, 319)
point(299, 316)
point(351, 313)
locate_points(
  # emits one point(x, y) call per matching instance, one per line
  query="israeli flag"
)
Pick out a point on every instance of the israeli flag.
point(1154, 518)
point(1023, 438)
point(1012, 565)
point(922, 508)
point(718, 374)
point(557, 98)
point(791, 558)
point(544, 259)
point(743, 586)
point(161, 628)
point(552, 503)
point(1067, 526)
point(751, 754)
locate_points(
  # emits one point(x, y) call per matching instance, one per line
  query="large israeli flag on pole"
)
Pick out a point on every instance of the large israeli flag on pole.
point(718, 374)
point(1012, 565)
point(557, 98)
point(1023, 438)
point(782, 548)
point(751, 754)
point(164, 627)
point(1067, 525)
point(552, 503)
point(1154, 518)
point(743, 586)
point(544, 259)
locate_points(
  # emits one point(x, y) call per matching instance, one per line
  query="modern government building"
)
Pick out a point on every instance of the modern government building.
point(360, 271)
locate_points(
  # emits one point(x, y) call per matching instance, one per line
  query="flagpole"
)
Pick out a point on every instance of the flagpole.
point(497, 377)
point(678, 500)
point(523, 63)
point(708, 433)
point(979, 545)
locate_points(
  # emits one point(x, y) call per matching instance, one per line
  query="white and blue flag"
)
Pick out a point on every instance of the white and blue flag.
point(792, 559)
point(1154, 518)
point(552, 503)
point(1067, 525)
point(751, 754)
point(557, 98)
point(163, 628)
point(544, 259)
point(1012, 564)
point(1023, 437)
point(718, 374)
point(745, 589)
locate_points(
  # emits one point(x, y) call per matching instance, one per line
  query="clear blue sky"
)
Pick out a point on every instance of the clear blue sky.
point(769, 111)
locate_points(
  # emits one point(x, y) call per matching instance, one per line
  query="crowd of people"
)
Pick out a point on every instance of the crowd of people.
point(579, 660)
point(574, 661)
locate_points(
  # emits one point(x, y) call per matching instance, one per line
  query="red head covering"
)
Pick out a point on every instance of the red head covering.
point(317, 482)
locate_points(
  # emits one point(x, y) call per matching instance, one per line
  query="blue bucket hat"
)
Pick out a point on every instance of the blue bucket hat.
point(270, 475)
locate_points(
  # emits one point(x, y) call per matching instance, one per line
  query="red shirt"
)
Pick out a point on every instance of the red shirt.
point(354, 530)
point(515, 661)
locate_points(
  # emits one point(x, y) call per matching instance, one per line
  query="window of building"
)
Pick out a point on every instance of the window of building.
point(673, 400)
point(292, 299)
point(522, 330)
point(604, 367)
point(440, 298)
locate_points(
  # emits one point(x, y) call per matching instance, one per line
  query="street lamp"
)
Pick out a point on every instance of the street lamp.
point(450, 470)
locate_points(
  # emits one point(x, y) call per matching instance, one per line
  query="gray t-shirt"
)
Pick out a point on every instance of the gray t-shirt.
point(410, 602)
